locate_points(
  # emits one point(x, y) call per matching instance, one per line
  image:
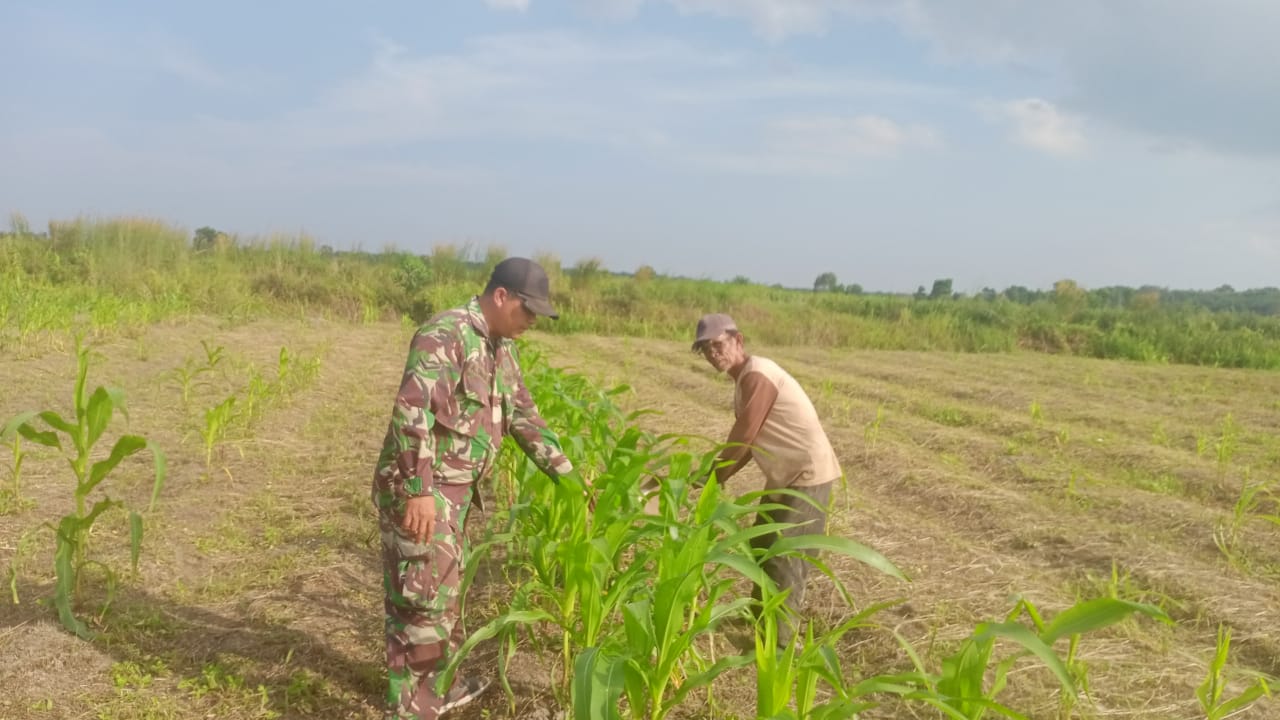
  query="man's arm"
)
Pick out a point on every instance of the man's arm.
point(431, 374)
point(530, 431)
point(758, 396)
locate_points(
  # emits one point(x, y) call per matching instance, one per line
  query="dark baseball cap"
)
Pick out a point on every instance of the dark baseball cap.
point(526, 279)
point(711, 327)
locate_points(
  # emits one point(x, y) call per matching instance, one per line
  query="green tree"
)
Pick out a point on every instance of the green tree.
point(1020, 294)
point(941, 289)
point(205, 238)
point(825, 282)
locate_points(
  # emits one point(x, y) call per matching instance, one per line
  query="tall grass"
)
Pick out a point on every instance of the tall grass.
point(118, 273)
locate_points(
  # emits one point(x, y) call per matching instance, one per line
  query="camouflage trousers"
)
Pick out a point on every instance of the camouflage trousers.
point(789, 572)
point(423, 604)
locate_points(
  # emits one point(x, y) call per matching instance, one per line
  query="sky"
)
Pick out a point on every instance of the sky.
point(891, 142)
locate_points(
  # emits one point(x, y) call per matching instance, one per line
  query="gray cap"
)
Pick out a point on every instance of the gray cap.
point(711, 327)
point(526, 279)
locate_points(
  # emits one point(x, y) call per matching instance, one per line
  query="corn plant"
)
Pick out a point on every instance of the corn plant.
point(188, 376)
point(871, 431)
point(1224, 448)
point(217, 420)
point(1210, 692)
point(93, 414)
point(1247, 507)
point(293, 373)
point(11, 433)
point(972, 677)
point(793, 674)
point(633, 595)
point(25, 548)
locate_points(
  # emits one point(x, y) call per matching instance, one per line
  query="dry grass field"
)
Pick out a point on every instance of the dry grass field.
point(984, 477)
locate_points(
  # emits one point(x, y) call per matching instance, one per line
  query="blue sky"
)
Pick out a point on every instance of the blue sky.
point(892, 142)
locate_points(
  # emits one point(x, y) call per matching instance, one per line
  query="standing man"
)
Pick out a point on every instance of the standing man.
point(776, 425)
point(462, 391)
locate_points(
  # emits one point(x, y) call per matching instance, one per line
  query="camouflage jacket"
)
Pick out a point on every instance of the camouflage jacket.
point(461, 393)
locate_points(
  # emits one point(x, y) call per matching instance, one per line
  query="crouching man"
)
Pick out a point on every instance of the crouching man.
point(777, 426)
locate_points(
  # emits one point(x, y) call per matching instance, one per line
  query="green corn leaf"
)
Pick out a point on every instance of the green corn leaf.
point(747, 534)
point(1023, 635)
point(1096, 614)
point(82, 375)
point(705, 678)
point(118, 401)
point(161, 465)
point(490, 630)
point(637, 623)
point(55, 421)
point(636, 686)
point(598, 682)
point(11, 428)
point(85, 523)
point(977, 707)
point(21, 424)
point(962, 673)
point(744, 566)
point(127, 445)
point(901, 684)
point(1245, 699)
point(98, 413)
point(840, 545)
point(65, 570)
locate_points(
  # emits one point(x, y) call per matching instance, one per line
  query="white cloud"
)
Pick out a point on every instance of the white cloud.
point(1039, 125)
point(824, 145)
point(1169, 71)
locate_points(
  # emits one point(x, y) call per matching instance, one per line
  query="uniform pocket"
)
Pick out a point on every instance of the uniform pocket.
point(425, 574)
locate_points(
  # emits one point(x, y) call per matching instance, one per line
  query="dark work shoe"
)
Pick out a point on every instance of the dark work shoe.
point(464, 690)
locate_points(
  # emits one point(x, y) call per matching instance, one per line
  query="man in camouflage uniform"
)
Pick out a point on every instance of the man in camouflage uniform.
point(462, 391)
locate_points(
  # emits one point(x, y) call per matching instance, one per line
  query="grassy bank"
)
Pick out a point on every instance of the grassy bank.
point(106, 276)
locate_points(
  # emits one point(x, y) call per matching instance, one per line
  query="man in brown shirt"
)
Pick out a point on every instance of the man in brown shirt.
point(777, 426)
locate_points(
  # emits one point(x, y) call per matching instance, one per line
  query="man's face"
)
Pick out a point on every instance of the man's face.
point(724, 352)
point(513, 318)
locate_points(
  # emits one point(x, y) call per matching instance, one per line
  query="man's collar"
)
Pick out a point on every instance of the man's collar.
point(476, 316)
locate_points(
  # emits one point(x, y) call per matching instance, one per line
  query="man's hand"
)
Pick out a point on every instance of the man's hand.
point(420, 517)
point(576, 480)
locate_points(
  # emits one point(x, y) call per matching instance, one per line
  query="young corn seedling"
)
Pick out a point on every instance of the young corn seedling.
point(93, 414)
point(871, 431)
point(11, 433)
point(1224, 447)
point(1210, 692)
point(971, 678)
point(791, 676)
point(217, 420)
point(188, 376)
